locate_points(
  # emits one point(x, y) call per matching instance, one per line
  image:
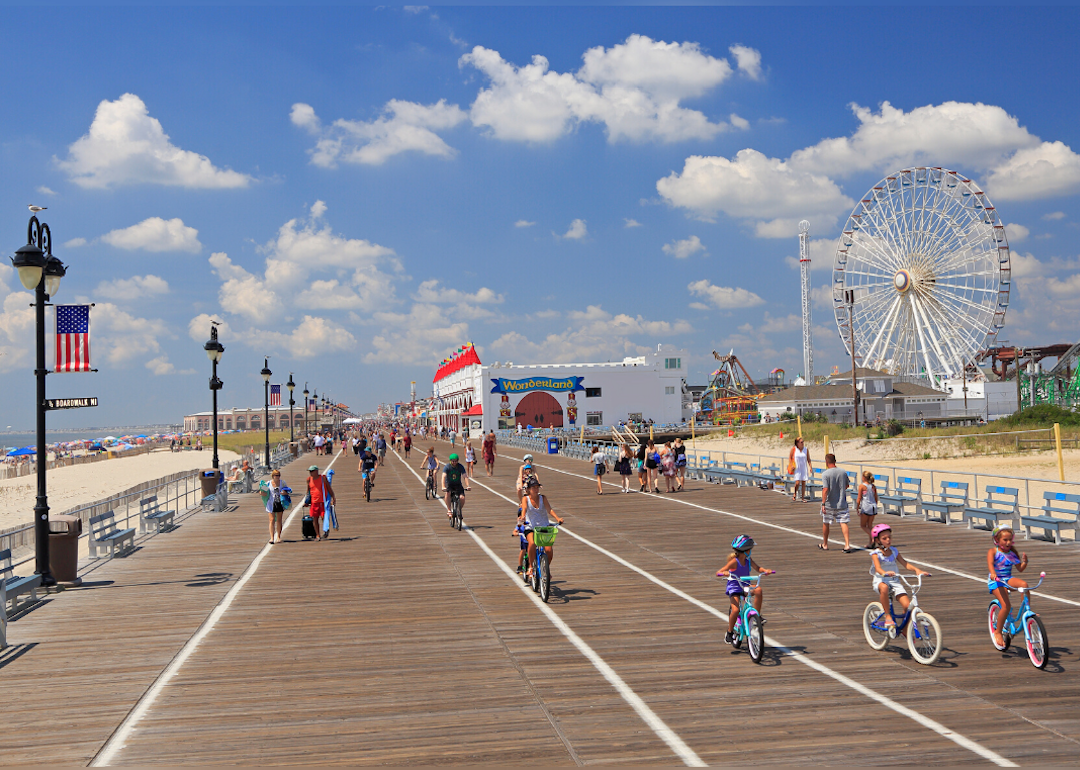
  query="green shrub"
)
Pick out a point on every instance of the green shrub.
point(894, 428)
point(1043, 415)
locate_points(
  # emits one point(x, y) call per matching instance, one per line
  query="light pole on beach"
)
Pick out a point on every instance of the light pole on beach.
point(266, 374)
point(291, 386)
point(214, 349)
point(40, 272)
point(306, 394)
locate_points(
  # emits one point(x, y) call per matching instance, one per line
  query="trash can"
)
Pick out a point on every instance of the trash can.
point(553, 445)
point(210, 479)
point(64, 534)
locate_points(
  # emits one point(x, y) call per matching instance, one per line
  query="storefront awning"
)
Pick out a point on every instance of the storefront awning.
point(476, 410)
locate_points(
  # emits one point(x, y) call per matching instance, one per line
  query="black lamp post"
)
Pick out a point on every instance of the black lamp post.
point(306, 394)
point(291, 386)
point(266, 373)
point(214, 349)
point(315, 409)
point(40, 272)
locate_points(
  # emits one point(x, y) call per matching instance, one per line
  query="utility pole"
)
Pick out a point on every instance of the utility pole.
point(849, 298)
point(1019, 368)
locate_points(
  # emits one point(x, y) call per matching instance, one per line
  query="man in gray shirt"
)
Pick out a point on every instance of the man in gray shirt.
point(834, 504)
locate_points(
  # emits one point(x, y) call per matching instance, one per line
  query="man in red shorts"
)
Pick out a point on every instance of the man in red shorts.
point(320, 489)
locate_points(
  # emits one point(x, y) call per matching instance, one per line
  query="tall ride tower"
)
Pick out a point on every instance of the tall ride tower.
point(804, 272)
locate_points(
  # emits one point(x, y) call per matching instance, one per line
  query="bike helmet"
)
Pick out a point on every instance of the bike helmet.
point(877, 530)
point(453, 456)
point(742, 543)
point(528, 458)
point(1001, 528)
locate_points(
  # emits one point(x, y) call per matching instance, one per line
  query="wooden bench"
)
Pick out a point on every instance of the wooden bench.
point(953, 497)
point(908, 491)
point(104, 532)
point(1006, 504)
point(14, 586)
point(1068, 508)
point(151, 513)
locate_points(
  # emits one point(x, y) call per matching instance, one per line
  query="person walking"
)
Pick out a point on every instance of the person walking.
point(680, 464)
point(642, 472)
point(599, 461)
point(488, 450)
point(866, 505)
point(667, 467)
point(321, 493)
point(470, 458)
point(624, 465)
point(277, 500)
point(319, 442)
point(799, 469)
point(834, 505)
point(406, 443)
point(652, 465)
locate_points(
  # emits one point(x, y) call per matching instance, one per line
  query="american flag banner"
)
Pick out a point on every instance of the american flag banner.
point(275, 395)
point(72, 338)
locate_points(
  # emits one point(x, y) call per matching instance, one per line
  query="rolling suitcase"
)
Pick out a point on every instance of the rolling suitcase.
point(308, 527)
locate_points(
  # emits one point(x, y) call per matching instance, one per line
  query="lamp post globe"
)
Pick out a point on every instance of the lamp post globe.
point(291, 386)
point(266, 374)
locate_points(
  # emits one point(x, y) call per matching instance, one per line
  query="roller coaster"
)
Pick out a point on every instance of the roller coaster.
point(732, 395)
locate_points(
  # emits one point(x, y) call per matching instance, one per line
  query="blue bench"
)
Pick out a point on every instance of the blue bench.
point(908, 492)
point(1005, 505)
point(953, 497)
point(12, 586)
point(1065, 505)
point(105, 534)
point(151, 513)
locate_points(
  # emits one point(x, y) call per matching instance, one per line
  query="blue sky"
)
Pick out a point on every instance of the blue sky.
point(358, 191)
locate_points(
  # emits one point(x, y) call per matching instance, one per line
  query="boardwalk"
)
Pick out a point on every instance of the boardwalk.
point(402, 641)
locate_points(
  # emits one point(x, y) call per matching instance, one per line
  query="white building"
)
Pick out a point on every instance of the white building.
point(239, 418)
point(990, 399)
point(879, 396)
point(502, 395)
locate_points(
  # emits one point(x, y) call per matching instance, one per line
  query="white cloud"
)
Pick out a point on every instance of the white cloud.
point(754, 187)
point(1068, 288)
point(1045, 171)
point(577, 230)
point(524, 223)
point(1016, 233)
point(74, 243)
point(136, 287)
point(199, 328)
point(414, 9)
point(1054, 216)
point(748, 61)
point(120, 336)
point(418, 337)
point(822, 254)
point(1025, 265)
point(685, 248)
point(160, 365)
point(16, 325)
point(314, 336)
point(156, 234)
point(46, 190)
point(631, 222)
point(723, 297)
point(740, 123)
point(430, 291)
point(127, 146)
point(402, 127)
point(633, 88)
point(318, 209)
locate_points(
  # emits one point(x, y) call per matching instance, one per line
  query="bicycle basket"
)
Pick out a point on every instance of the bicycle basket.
point(544, 536)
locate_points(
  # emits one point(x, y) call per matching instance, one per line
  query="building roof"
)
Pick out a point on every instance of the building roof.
point(808, 393)
point(860, 371)
point(468, 357)
point(912, 389)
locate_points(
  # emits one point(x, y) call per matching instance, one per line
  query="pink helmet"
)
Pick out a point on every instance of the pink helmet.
point(879, 529)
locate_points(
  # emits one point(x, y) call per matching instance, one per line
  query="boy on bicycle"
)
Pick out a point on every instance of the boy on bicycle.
point(452, 474)
point(368, 465)
point(739, 565)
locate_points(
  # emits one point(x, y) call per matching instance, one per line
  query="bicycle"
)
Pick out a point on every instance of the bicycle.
point(543, 539)
point(455, 511)
point(748, 626)
point(1025, 619)
point(921, 628)
point(429, 486)
point(367, 485)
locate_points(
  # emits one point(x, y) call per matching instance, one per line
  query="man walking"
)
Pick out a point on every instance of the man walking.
point(834, 504)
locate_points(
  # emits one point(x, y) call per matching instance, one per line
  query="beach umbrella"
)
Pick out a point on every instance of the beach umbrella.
point(26, 450)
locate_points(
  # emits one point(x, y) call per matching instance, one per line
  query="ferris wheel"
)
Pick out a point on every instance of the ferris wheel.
point(924, 260)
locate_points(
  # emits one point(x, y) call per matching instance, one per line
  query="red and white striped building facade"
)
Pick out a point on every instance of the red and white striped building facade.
point(455, 388)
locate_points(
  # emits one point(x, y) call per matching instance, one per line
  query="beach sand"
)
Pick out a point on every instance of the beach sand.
point(79, 485)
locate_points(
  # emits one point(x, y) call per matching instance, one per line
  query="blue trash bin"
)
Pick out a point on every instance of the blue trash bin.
point(553, 446)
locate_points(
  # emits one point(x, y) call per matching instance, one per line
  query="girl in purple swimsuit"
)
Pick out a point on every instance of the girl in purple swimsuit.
point(1001, 559)
point(739, 565)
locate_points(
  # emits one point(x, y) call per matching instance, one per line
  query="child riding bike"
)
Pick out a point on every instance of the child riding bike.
point(1001, 559)
point(885, 558)
point(739, 565)
point(430, 463)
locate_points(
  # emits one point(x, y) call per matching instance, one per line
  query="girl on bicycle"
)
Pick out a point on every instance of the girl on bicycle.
point(430, 463)
point(1001, 559)
point(885, 559)
point(739, 565)
point(866, 505)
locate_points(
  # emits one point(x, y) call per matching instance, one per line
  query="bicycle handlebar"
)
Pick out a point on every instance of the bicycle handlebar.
point(1042, 577)
point(748, 579)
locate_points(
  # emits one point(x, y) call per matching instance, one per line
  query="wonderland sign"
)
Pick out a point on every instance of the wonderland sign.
point(565, 385)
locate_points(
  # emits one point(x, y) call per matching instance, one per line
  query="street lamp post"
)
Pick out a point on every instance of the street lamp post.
point(306, 394)
point(41, 272)
point(266, 373)
point(291, 386)
point(214, 349)
point(315, 409)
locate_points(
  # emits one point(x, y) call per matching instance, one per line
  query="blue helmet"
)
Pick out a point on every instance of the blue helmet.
point(742, 543)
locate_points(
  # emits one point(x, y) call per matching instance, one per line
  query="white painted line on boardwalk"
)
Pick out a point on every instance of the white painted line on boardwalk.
point(655, 723)
point(931, 565)
point(889, 703)
point(118, 740)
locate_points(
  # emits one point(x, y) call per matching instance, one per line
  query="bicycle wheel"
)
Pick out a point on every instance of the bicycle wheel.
point(545, 575)
point(427, 490)
point(755, 637)
point(367, 489)
point(924, 638)
point(991, 622)
point(535, 580)
point(873, 626)
point(457, 515)
point(1038, 647)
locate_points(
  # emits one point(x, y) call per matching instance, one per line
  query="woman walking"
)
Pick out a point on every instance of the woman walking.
point(680, 464)
point(470, 458)
point(652, 465)
point(599, 460)
point(277, 500)
point(866, 505)
point(488, 450)
point(667, 465)
point(624, 465)
point(799, 468)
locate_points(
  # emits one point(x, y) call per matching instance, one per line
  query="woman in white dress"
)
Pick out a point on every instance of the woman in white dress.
point(799, 468)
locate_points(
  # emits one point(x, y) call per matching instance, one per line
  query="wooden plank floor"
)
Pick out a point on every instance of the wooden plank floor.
point(400, 641)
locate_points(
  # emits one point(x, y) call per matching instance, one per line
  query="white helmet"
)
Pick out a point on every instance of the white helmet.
point(528, 458)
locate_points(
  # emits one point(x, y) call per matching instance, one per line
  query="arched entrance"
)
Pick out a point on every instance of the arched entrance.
point(540, 410)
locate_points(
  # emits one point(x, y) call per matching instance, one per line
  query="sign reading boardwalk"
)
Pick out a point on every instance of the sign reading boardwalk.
point(70, 403)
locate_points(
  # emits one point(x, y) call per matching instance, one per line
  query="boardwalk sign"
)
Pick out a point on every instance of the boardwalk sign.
point(70, 403)
point(564, 385)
